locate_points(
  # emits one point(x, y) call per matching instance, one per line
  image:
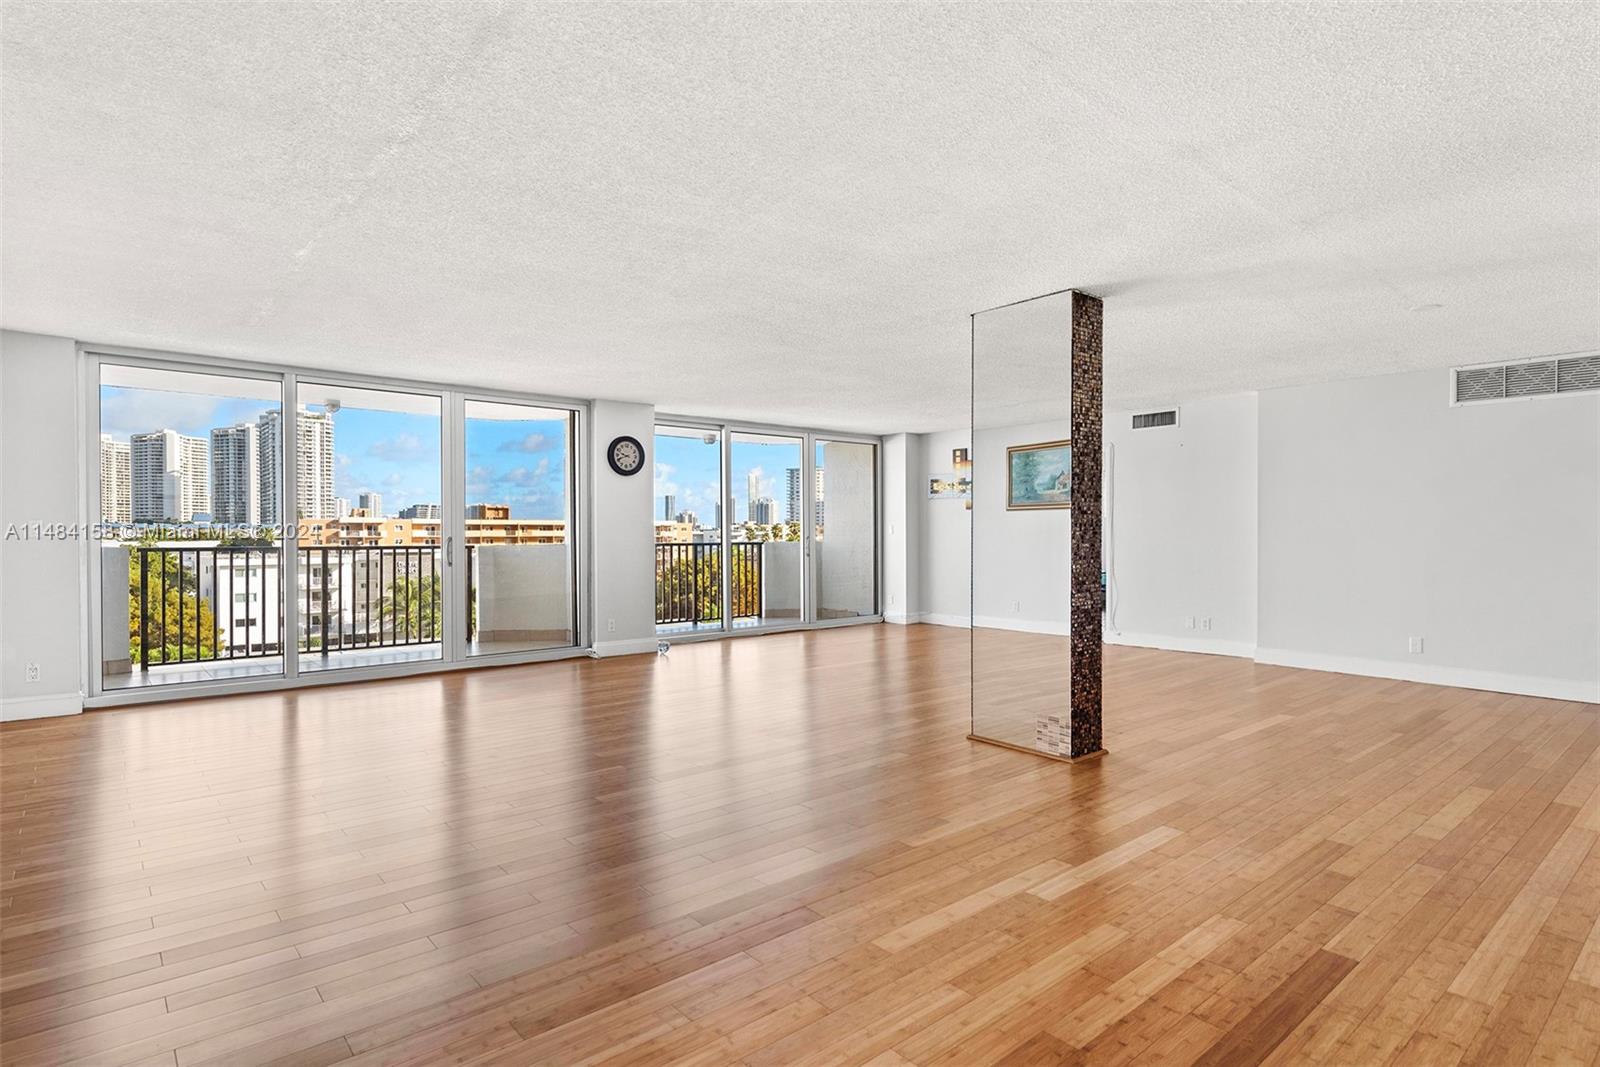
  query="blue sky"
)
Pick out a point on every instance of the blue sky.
point(687, 468)
point(517, 462)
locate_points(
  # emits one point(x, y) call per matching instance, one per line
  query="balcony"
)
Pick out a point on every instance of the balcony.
point(764, 584)
point(214, 612)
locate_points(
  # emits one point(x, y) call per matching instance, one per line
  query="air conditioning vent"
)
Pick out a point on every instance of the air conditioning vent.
point(1480, 383)
point(1531, 379)
point(1528, 378)
point(1577, 373)
point(1149, 420)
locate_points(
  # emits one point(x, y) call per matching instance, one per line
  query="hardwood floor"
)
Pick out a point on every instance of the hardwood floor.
point(782, 850)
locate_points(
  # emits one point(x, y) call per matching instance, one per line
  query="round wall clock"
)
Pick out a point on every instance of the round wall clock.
point(626, 455)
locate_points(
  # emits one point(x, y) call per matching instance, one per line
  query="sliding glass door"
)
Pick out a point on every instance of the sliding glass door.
point(257, 524)
point(688, 529)
point(520, 555)
point(845, 529)
point(368, 485)
point(186, 498)
point(767, 561)
point(774, 554)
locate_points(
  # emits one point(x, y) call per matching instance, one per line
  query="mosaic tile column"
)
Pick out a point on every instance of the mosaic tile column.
point(1088, 405)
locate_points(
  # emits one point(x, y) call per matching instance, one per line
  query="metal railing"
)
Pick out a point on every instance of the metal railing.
point(174, 594)
point(192, 605)
point(370, 596)
point(689, 582)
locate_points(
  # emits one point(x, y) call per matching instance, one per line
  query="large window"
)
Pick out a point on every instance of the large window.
point(521, 565)
point(689, 529)
point(745, 536)
point(368, 492)
point(260, 524)
point(190, 571)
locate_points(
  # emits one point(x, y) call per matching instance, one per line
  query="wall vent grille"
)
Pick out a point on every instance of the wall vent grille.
point(1529, 378)
point(1149, 420)
point(1578, 373)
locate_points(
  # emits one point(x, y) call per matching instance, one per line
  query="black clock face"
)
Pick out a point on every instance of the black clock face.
point(626, 455)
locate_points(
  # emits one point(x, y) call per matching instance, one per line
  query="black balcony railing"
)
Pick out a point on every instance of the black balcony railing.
point(689, 582)
point(190, 605)
point(377, 596)
point(176, 616)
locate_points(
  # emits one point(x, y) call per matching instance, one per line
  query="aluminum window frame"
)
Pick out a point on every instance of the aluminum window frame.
point(92, 356)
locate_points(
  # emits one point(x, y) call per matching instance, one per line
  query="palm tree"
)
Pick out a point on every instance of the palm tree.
point(410, 607)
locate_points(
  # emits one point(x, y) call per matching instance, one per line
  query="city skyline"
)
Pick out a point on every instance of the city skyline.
point(395, 456)
point(687, 469)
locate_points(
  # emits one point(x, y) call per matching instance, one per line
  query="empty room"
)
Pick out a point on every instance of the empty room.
point(774, 534)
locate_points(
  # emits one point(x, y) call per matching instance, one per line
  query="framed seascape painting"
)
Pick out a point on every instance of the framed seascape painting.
point(1039, 476)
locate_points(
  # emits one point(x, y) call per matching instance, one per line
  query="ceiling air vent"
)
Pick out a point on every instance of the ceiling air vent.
point(1149, 420)
point(1527, 378)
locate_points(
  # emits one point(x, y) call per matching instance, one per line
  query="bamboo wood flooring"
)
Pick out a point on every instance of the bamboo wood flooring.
point(783, 850)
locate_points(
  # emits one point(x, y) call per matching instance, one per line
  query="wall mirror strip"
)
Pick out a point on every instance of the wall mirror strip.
point(1020, 492)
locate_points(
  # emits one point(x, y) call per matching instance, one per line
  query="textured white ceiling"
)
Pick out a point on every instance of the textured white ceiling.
point(786, 212)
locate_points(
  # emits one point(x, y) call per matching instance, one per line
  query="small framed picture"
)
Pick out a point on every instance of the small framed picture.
point(1039, 477)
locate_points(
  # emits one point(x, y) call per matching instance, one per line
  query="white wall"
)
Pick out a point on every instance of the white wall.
point(1388, 514)
point(902, 526)
point(1325, 525)
point(624, 534)
point(1022, 560)
point(944, 564)
point(524, 591)
point(1180, 504)
point(41, 592)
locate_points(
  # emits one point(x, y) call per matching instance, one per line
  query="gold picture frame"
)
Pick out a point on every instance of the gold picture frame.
point(1039, 476)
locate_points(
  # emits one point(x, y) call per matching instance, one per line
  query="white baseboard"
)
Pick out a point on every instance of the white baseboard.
point(1433, 674)
point(901, 618)
point(1027, 626)
point(16, 709)
point(933, 618)
point(1171, 643)
point(633, 647)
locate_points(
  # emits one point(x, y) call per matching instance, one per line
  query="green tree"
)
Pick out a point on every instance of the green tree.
point(689, 586)
point(177, 621)
point(1025, 474)
point(410, 607)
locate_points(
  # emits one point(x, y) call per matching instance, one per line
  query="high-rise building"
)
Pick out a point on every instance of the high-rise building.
point(313, 460)
point(764, 511)
point(372, 503)
point(669, 506)
point(794, 514)
point(116, 480)
point(341, 507)
point(752, 492)
point(688, 517)
point(489, 511)
point(236, 474)
point(168, 476)
point(269, 456)
point(418, 511)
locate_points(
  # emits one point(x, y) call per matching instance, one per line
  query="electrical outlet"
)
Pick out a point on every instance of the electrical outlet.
point(31, 672)
point(891, 600)
point(1188, 622)
point(1415, 646)
point(1016, 607)
point(1205, 623)
point(611, 626)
